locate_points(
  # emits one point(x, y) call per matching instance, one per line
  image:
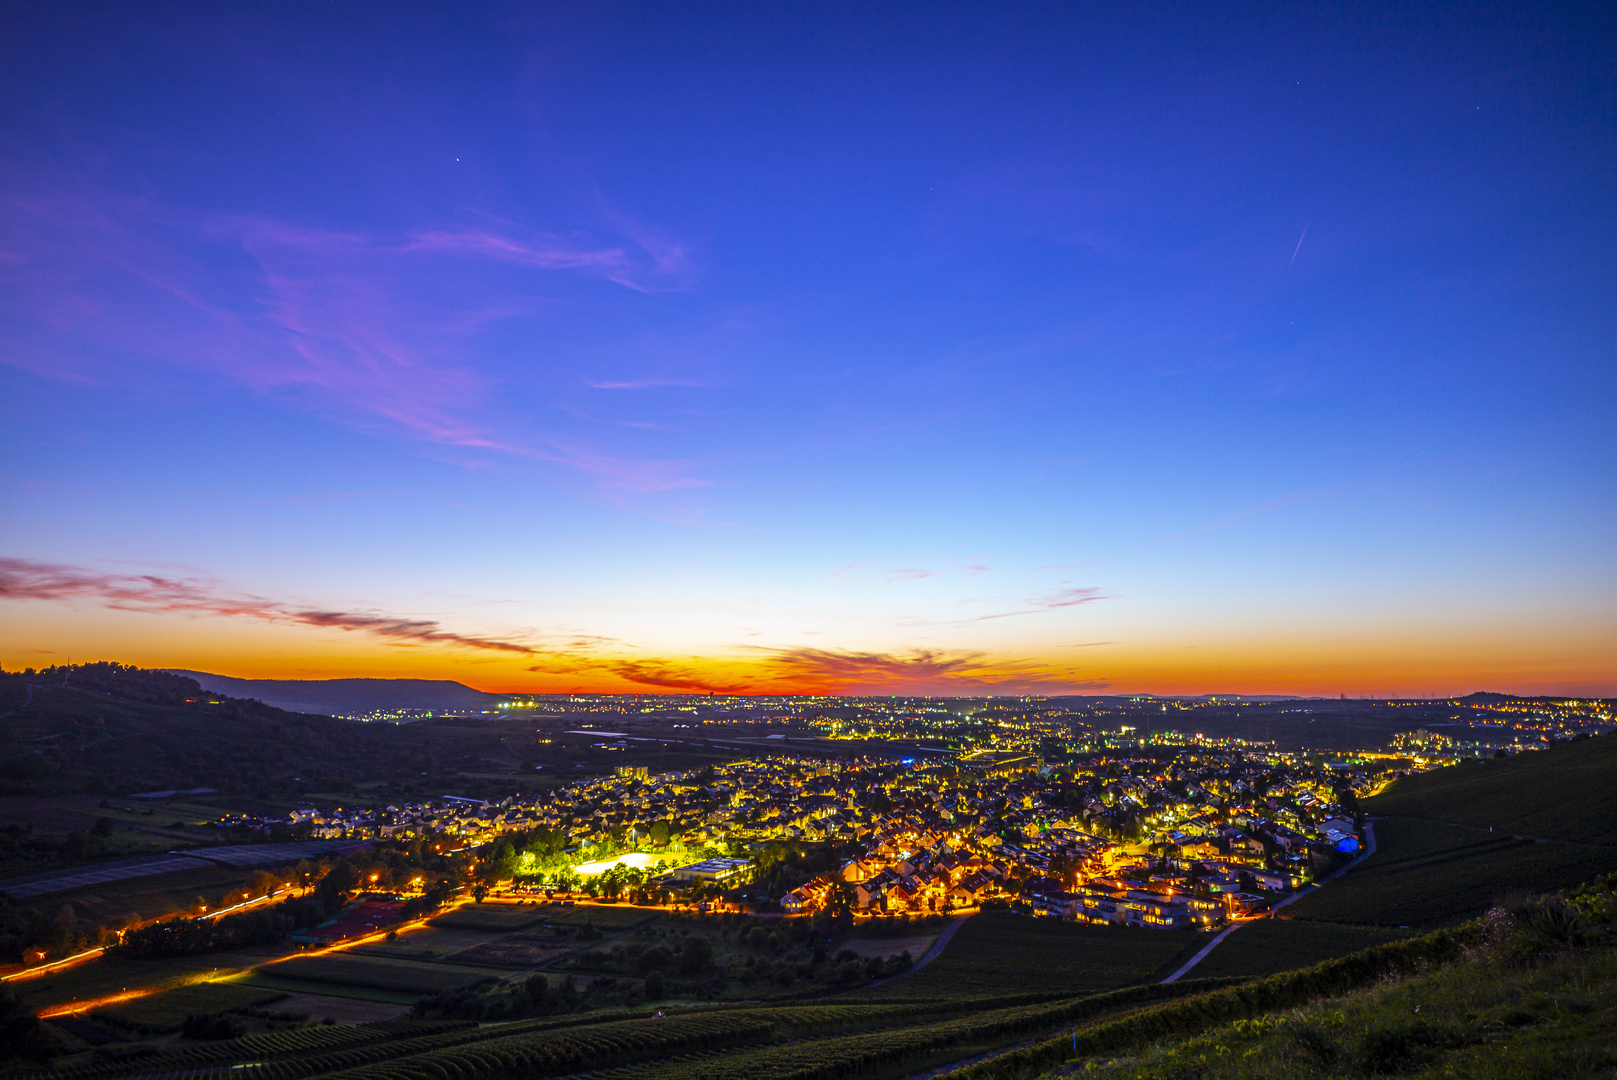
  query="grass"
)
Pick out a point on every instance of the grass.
point(490, 917)
point(604, 918)
point(1478, 1019)
point(167, 1011)
point(114, 975)
point(1566, 793)
point(1426, 873)
point(1271, 945)
point(1000, 953)
point(401, 976)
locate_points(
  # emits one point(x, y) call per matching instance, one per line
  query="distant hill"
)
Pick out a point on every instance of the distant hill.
point(346, 697)
point(108, 727)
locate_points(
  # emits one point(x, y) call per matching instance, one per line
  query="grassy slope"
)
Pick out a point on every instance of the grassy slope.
point(1272, 945)
point(1567, 793)
point(1478, 1019)
point(1000, 953)
point(1437, 862)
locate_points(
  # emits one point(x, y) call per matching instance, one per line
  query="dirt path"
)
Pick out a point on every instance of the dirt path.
point(931, 954)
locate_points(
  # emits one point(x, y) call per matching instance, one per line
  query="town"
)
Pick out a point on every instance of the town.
point(1180, 838)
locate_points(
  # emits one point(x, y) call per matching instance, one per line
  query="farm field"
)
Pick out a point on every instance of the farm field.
point(1273, 945)
point(803, 1040)
point(401, 976)
point(1000, 953)
point(513, 951)
point(1427, 874)
point(501, 917)
point(1566, 793)
point(167, 1011)
point(342, 1010)
point(427, 943)
point(603, 917)
point(113, 975)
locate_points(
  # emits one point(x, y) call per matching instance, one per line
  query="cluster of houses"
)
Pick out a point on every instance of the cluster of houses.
point(1182, 838)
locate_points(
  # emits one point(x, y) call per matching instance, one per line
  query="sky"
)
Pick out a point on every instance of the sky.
point(863, 349)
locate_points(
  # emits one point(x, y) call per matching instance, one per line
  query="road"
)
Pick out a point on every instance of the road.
point(931, 954)
point(1369, 850)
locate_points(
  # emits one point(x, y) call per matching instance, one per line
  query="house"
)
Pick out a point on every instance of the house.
point(810, 896)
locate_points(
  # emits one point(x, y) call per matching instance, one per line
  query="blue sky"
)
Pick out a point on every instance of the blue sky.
point(932, 348)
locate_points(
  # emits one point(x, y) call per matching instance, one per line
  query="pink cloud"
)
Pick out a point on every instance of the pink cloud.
point(25, 579)
point(1062, 598)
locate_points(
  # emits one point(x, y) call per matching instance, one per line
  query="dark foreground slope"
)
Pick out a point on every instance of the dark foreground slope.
point(110, 728)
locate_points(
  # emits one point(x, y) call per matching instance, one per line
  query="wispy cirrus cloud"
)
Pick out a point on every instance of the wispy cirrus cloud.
point(1061, 598)
point(903, 574)
point(374, 331)
point(27, 579)
point(640, 384)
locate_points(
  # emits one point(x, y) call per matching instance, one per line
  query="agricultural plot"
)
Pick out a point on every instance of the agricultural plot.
point(343, 1010)
point(113, 975)
point(1275, 945)
point(808, 1040)
point(491, 917)
point(399, 976)
point(1426, 873)
point(166, 1011)
point(604, 917)
point(1000, 953)
point(514, 951)
point(1567, 793)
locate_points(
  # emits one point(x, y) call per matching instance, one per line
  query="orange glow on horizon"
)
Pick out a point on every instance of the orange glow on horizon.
point(1574, 659)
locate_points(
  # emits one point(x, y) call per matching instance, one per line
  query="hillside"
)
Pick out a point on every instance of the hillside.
point(1453, 842)
point(346, 697)
point(1568, 792)
point(1530, 992)
point(109, 728)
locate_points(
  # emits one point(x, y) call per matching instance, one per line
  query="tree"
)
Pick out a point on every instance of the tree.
point(654, 984)
point(696, 955)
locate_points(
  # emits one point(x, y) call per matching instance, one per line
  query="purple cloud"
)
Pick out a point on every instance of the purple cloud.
point(352, 326)
point(25, 579)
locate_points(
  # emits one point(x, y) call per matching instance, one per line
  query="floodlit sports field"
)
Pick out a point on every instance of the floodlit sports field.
point(637, 860)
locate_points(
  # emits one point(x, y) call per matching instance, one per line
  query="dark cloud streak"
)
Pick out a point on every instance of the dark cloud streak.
point(25, 579)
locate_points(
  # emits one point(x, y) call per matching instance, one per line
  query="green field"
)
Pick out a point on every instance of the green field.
point(167, 1011)
point(491, 917)
point(399, 976)
point(1426, 873)
point(1555, 1020)
point(1271, 945)
point(999, 953)
point(1565, 793)
point(602, 917)
point(113, 975)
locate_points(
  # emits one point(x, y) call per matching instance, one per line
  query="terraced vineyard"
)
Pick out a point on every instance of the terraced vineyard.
point(1000, 953)
point(802, 1041)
